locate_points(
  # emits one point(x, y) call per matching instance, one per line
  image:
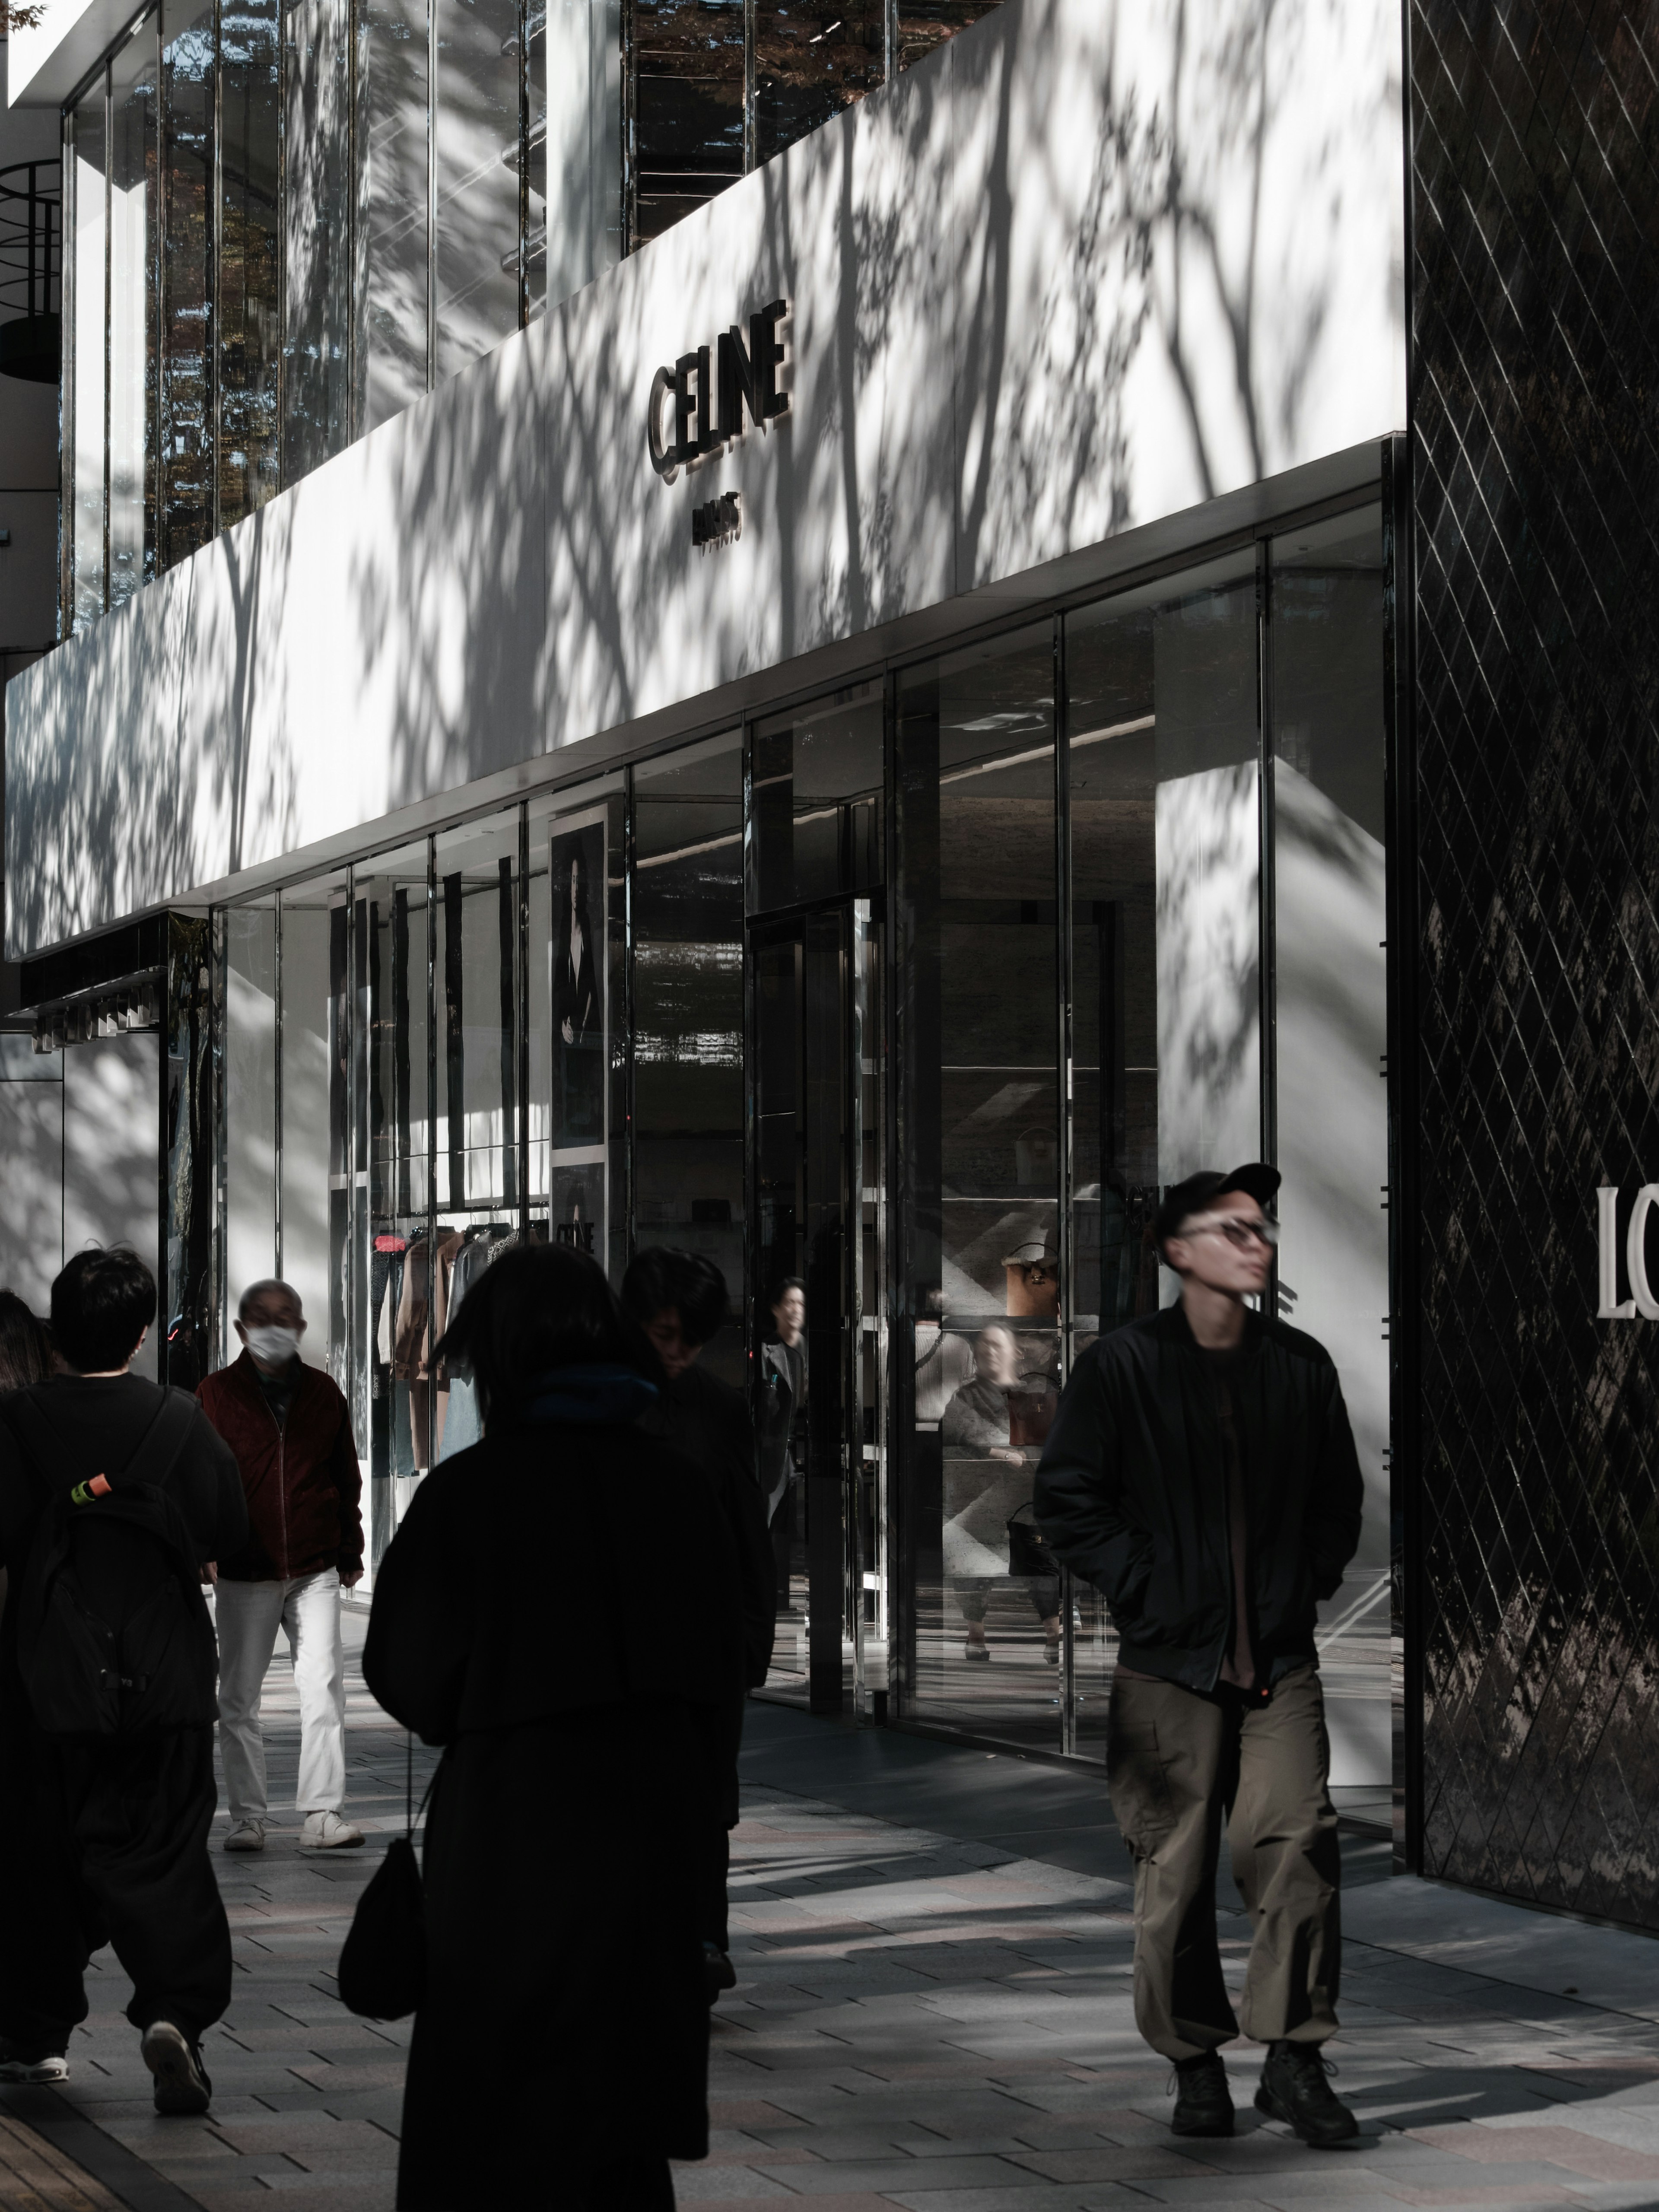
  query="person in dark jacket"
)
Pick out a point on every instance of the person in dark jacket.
point(290, 1429)
point(1201, 1474)
point(570, 1753)
point(105, 1840)
point(785, 1378)
point(679, 1300)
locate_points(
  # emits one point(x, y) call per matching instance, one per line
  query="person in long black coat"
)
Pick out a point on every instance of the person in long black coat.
point(567, 1828)
point(679, 1299)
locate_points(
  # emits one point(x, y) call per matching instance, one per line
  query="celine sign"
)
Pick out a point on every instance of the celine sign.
point(712, 388)
point(1609, 1306)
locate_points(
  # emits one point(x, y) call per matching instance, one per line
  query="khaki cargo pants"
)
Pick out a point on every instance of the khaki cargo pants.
point(1177, 1764)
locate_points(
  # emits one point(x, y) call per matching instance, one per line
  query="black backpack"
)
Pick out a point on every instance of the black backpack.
point(156, 1669)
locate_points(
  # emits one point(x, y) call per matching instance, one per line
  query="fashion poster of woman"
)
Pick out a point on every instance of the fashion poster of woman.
point(581, 1054)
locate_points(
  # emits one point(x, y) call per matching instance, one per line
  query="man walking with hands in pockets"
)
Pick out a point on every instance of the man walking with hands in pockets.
point(1201, 1474)
point(291, 1430)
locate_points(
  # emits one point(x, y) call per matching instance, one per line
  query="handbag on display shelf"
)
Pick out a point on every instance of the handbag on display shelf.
point(382, 1974)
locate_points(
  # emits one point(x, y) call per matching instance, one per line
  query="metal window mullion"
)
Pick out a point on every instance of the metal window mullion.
point(1064, 1132)
point(282, 9)
point(431, 1130)
point(631, 1080)
point(66, 290)
point(218, 993)
point(276, 1098)
point(751, 80)
point(353, 413)
point(109, 299)
point(214, 274)
point(1268, 1055)
point(524, 161)
point(432, 195)
point(900, 1334)
point(889, 41)
point(522, 1002)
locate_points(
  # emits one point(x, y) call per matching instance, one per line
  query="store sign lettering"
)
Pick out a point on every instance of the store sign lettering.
point(697, 408)
point(1610, 1306)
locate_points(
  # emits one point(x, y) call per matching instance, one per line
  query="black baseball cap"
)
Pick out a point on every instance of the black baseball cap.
point(1184, 1199)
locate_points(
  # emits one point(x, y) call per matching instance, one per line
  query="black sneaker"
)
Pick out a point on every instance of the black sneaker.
point(1203, 2106)
point(31, 2062)
point(182, 2087)
point(1294, 2089)
point(719, 1973)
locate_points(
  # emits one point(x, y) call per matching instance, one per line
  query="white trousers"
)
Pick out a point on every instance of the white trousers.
point(249, 1615)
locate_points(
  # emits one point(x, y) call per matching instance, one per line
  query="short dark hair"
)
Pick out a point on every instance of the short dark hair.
point(692, 1285)
point(25, 1347)
point(101, 1304)
point(784, 1284)
point(537, 1308)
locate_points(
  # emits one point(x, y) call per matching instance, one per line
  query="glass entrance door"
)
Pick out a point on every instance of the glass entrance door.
point(819, 1342)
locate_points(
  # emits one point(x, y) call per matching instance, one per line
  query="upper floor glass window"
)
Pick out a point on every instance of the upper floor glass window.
point(289, 219)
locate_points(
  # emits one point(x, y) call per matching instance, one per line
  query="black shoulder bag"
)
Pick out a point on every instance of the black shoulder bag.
point(382, 1972)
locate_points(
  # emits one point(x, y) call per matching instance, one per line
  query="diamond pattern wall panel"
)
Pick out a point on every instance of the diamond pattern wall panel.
point(1535, 463)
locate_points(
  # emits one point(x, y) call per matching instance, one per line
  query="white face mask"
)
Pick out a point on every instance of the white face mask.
point(275, 1347)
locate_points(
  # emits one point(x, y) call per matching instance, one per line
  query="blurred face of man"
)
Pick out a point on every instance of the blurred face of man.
point(665, 1333)
point(790, 1315)
point(1220, 1249)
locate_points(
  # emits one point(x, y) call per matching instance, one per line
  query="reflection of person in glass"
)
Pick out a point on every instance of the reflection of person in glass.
point(784, 1373)
point(577, 1014)
point(996, 1421)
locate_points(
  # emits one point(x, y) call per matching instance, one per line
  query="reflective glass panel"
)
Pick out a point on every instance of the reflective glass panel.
point(133, 333)
point(687, 1017)
point(977, 1177)
point(476, 145)
point(249, 1050)
point(313, 1176)
point(575, 180)
point(1165, 949)
point(186, 469)
point(809, 63)
point(686, 60)
point(579, 1084)
point(1330, 987)
point(393, 217)
point(393, 1238)
point(317, 229)
point(815, 825)
point(90, 163)
point(924, 25)
point(249, 257)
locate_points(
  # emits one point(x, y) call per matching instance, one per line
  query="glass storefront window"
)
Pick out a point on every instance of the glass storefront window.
point(809, 63)
point(316, 235)
point(249, 256)
point(393, 218)
point(925, 24)
point(476, 149)
point(249, 1072)
point(977, 1187)
point(186, 461)
point(686, 100)
point(1330, 998)
point(815, 808)
point(90, 165)
point(574, 183)
point(579, 1087)
point(133, 334)
point(313, 1173)
point(1164, 803)
point(688, 1019)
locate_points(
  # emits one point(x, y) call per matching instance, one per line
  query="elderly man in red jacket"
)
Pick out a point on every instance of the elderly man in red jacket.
point(291, 1430)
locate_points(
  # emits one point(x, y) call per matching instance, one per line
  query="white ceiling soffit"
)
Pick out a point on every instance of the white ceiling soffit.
point(50, 59)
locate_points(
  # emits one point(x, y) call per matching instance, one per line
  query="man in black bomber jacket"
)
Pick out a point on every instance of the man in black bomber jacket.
point(1201, 1474)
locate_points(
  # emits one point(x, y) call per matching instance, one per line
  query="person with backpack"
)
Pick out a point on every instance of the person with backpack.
point(115, 1498)
point(679, 1300)
point(290, 1429)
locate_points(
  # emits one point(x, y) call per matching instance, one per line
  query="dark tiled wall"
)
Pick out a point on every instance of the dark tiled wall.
point(1536, 455)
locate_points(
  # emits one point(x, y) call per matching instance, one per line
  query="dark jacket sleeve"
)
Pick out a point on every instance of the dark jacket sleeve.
point(1079, 1496)
point(422, 1627)
point(1336, 1497)
point(349, 1482)
point(745, 1509)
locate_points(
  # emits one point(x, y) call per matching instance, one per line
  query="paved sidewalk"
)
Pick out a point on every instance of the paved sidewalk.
point(931, 2021)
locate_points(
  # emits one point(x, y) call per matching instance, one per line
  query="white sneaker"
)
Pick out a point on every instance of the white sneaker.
point(247, 1836)
point(327, 1831)
point(19, 2063)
